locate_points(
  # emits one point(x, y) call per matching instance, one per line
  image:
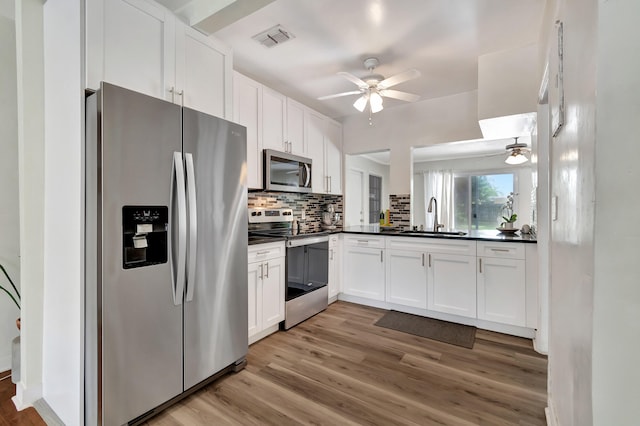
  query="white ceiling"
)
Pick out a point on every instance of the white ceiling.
point(440, 38)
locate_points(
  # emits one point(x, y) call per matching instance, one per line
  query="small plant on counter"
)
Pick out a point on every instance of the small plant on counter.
point(507, 210)
point(15, 299)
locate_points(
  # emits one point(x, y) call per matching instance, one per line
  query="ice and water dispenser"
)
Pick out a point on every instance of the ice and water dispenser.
point(144, 238)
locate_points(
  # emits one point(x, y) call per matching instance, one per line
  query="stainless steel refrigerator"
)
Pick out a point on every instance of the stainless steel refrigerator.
point(166, 253)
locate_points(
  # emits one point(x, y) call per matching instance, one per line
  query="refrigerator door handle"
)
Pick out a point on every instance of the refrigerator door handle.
point(193, 225)
point(178, 269)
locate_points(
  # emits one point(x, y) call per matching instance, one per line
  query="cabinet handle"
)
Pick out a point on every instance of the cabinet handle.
point(181, 94)
point(173, 95)
point(429, 260)
point(266, 275)
point(480, 264)
point(381, 253)
point(364, 241)
point(502, 250)
point(422, 259)
point(331, 254)
point(262, 252)
point(261, 270)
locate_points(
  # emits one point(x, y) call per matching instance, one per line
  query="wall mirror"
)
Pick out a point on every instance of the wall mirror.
point(366, 187)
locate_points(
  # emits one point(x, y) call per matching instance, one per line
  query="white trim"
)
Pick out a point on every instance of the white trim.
point(25, 398)
point(550, 414)
point(264, 333)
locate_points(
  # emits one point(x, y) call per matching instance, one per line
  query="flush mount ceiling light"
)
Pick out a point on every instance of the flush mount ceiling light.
point(516, 153)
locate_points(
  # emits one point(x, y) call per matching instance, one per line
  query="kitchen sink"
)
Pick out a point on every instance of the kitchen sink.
point(427, 233)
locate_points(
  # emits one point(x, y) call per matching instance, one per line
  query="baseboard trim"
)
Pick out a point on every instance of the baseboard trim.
point(550, 414)
point(25, 398)
point(48, 415)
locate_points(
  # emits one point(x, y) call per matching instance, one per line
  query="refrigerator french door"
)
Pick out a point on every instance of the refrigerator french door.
point(166, 253)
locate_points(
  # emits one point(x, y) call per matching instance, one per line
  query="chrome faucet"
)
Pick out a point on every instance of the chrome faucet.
point(433, 202)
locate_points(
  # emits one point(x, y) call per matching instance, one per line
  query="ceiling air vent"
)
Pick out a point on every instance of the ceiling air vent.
point(273, 36)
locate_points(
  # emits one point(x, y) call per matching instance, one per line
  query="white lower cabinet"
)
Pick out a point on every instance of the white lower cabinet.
point(335, 254)
point(406, 278)
point(452, 284)
point(364, 267)
point(266, 289)
point(502, 283)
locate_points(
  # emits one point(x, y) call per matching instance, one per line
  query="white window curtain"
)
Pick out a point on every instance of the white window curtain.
point(439, 184)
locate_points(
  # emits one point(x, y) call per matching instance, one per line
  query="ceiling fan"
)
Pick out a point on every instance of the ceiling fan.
point(516, 153)
point(374, 87)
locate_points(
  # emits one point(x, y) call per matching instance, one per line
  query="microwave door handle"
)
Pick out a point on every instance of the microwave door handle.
point(307, 171)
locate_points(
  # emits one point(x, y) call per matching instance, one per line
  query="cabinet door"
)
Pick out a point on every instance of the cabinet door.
point(315, 149)
point(502, 290)
point(273, 292)
point(295, 128)
point(364, 272)
point(335, 254)
point(247, 99)
point(407, 278)
point(274, 107)
point(452, 284)
point(131, 43)
point(333, 156)
point(203, 72)
point(255, 298)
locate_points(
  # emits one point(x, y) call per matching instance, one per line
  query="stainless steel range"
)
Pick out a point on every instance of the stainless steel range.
point(307, 262)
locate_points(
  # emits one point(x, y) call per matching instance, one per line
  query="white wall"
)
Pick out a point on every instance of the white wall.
point(64, 203)
point(30, 96)
point(616, 307)
point(573, 181)
point(447, 119)
point(9, 213)
point(478, 164)
point(367, 167)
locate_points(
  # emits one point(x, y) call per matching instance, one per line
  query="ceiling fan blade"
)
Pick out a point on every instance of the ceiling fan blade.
point(352, 78)
point(399, 78)
point(337, 95)
point(395, 94)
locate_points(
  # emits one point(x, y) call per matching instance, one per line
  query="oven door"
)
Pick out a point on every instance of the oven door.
point(307, 265)
point(286, 172)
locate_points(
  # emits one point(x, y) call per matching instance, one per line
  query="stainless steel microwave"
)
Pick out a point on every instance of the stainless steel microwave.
point(286, 172)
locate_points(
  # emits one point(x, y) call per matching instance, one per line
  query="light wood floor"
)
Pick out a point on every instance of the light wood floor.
point(337, 368)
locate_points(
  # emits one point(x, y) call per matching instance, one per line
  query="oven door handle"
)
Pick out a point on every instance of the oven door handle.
point(297, 242)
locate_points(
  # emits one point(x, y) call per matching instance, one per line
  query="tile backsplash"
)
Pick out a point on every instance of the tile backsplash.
point(400, 210)
point(312, 204)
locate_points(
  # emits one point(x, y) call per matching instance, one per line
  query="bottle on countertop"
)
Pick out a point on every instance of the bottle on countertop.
point(381, 218)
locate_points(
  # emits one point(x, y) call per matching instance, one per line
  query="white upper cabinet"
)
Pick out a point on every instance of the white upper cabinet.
point(139, 45)
point(295, 137)
point(315, 127)
point(247, 99)
point(203, 72)
point(333, 156)
point(274, 106)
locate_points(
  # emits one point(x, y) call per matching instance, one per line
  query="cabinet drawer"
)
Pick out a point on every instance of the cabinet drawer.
point(501, 250)
point(364, 241)
point(260, 252)
point(433, 245)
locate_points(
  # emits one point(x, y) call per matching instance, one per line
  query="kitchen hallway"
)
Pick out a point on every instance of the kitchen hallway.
point(339, 368)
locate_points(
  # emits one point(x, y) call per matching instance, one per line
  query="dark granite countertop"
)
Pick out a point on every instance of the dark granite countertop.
point(518, 237)
point(254, 239)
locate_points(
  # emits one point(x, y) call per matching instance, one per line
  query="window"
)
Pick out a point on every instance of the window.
point(478, 200)
point(375, 198)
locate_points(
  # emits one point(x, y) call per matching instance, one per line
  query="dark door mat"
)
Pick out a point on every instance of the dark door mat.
point(443, 331)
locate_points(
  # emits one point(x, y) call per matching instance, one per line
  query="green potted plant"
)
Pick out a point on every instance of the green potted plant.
point(507, 213)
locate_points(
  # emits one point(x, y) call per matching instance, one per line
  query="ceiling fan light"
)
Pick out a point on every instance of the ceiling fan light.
point(361, 103)
point(376, 102)
point(516, 157)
